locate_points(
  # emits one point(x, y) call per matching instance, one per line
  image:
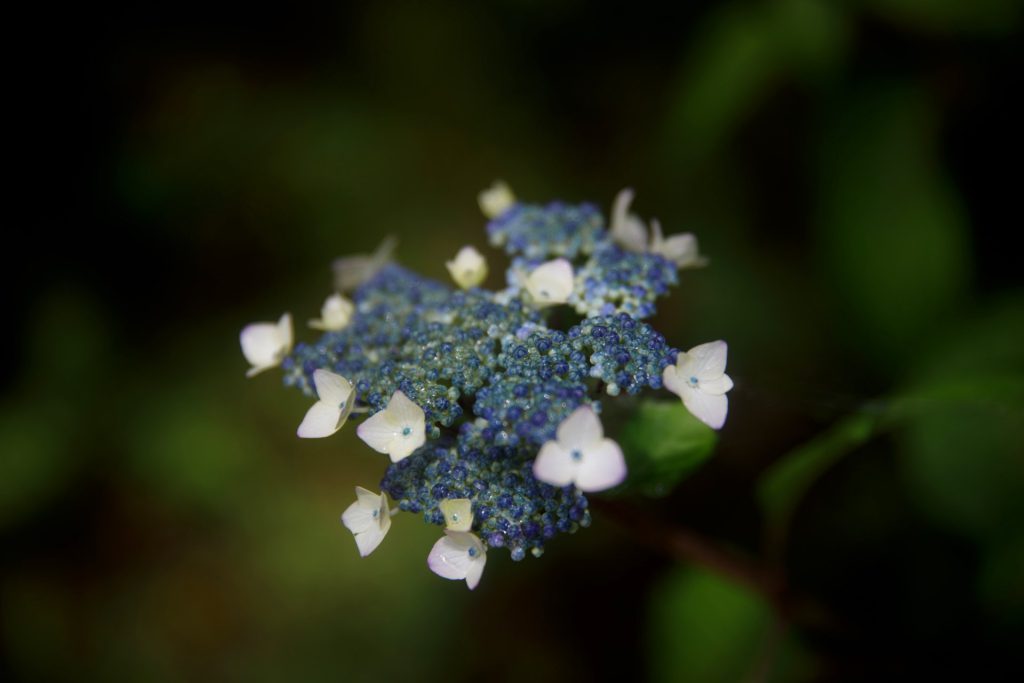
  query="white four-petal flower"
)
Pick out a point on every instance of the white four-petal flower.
point(398, 430)
point(550, 283)
point(581, 455)
point(265, 345)
point(630, 232)
point(458, 555)
point(335, 314)
point(368, 519)
point(496, 199)
point(469, 268)
point(328, 414)
point(458, 513)
point(699, 378)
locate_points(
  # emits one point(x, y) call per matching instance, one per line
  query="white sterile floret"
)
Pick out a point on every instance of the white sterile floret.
point(398, 430)
point(458, 555)
point(352, 271)
point(699, 378)
point(458, 513)
point(368, 519)
point(469, 268)
point(265, 345)
point(550, 283)
point(496, 199)
point(581, 455)
point(630, 232)
point(335, 314)
point(328, 414)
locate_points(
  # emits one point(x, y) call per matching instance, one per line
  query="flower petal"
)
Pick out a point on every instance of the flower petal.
point(285, 334)
point(367, 541)
point(262, 344)
point(449, 558)
point(551, 283)
point(332, 388)
point(710, 409)
point(603, 466)
point(357, 517)
point(709, 359)
point(673, 380)
point(496, 199)
point(717, 386)
point(626, 229)
point(378, 431)
point(403, 410)
point(469, 268)
point(458, 513)
point(476, 570)
point(581, 429)
point(322, 419)
point(554, 465)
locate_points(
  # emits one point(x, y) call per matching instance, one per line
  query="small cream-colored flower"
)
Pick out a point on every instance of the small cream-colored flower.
point(581, 455)
point(352, 271)
point(496, 199)
point(335, 314)
point(458, 513)
point(398, 430)
point(469, 268)
point(699, 378)
point(265, 345)
point(369, 519)
point(630, 232)
point(550, 283)
point(329, 413)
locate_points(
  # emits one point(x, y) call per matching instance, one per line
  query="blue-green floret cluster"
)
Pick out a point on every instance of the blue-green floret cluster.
point(511, 509)
point(543, 232)
point(618, 281)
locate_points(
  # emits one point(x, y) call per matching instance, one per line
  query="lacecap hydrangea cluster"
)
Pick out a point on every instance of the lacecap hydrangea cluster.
point(488, 410)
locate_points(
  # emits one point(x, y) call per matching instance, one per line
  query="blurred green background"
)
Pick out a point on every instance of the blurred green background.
point(849, 167)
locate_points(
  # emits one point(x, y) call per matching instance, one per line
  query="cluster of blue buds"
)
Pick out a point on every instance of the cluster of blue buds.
point(488, 411)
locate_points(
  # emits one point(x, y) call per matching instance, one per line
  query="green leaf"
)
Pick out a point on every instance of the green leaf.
point(663, 443)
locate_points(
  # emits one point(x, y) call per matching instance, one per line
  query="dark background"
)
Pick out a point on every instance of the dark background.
point(851, 169)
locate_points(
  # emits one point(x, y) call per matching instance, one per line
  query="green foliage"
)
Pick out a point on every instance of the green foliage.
point(663, 443)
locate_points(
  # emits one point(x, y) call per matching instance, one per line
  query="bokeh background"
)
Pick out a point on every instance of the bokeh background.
point(851, 168)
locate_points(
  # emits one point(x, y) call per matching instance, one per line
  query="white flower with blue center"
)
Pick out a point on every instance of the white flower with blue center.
point(335, 314)
point(458, 555)
point(581, 455)
point(458, 513)
point(550, 283)
point(630, 232)
point(496, 199)
point(699, 378)
point(398, 430)
point(328, 414)
point(265, 345)
point(469, 268)
point(368, 519)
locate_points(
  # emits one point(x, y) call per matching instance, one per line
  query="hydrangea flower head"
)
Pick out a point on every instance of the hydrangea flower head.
point(487, 402)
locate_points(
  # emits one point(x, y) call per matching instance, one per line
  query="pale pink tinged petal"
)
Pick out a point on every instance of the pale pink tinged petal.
point(580, 429)
point(554, 465)
point(476, 570)
point(710, 409)
point(357, 518)
point(332, 388)
point(709, 359)
point(603, 466)
point(717, 386)
point(378, 432)
point(322, 420)
point(449, 558)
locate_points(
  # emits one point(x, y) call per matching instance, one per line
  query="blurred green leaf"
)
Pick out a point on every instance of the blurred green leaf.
point(703, 628)
point(35, 466)
point(892, 231)
point(951, 16)
point(663, 443)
